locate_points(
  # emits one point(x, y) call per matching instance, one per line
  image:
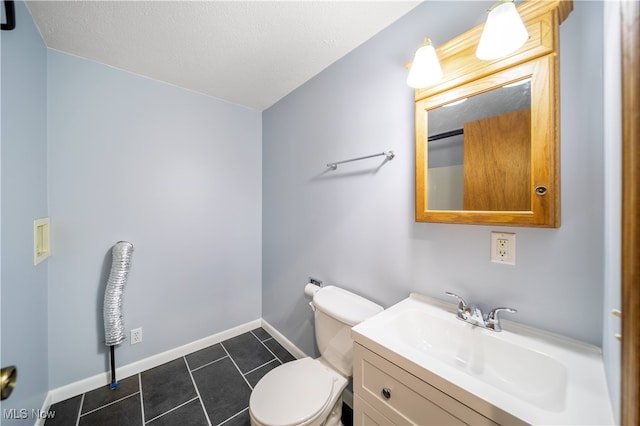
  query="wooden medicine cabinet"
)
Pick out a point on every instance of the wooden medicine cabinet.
point(487, 135)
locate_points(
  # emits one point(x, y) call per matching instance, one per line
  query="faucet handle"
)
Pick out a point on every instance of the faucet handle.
point(462, 305)
point(493, 322)
point(462, 313)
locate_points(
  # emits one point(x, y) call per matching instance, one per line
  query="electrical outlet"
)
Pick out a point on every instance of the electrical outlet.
point(503, 247)
point(136, 335)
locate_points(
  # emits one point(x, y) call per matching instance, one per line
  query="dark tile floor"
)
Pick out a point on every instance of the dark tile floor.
point(209, 387)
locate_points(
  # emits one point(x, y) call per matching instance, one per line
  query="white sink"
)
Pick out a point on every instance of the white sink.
point(535, 376)
point(483, 354)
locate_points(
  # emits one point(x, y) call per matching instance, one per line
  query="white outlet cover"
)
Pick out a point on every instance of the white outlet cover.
point(505, 255)
point(136, 335)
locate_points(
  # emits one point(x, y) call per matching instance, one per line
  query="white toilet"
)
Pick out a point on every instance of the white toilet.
point(309, 391)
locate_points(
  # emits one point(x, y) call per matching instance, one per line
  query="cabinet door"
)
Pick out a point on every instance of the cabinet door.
point(403, 398)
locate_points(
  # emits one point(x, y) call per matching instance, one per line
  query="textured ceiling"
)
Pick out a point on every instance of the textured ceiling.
point(250, 53)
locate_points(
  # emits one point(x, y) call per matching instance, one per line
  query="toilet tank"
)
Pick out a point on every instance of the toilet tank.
point(336, 312)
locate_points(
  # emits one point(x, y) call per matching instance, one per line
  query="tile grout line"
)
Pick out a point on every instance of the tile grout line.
point(259, 339)
point(80, 410)
point(232, 417)
point(260, 366)
point(236, 365)
point(109, 404)
point(208, 364)
point(173, 409)
point(141, 396)
point(195, 385)
point(270, 351)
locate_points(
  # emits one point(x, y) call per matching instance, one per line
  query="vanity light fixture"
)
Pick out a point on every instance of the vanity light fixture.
point(503, 33)
point(425, 69)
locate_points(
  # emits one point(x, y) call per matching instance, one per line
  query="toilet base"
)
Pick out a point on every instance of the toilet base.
point(335, 416)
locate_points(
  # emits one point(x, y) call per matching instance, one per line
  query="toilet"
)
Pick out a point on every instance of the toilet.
point(309, 391)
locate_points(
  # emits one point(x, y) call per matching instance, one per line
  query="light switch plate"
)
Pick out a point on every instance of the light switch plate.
point(41, 246)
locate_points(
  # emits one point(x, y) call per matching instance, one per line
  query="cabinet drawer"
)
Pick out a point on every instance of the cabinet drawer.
point(365, 415)
point(403, 398)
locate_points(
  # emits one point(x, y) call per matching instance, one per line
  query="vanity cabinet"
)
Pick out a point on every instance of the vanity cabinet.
point(385, 394)
point(415, 363)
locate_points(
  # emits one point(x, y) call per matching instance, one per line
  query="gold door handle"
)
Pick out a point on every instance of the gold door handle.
point(9, 377)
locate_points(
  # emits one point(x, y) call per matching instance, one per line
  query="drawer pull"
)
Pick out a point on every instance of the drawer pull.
point(386, 392)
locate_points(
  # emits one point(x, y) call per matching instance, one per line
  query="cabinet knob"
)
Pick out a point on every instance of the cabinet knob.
point(541, 190)
point(386, 392)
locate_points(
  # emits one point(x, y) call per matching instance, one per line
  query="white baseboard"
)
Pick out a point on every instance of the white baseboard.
point(103, 379)
point(286, 343)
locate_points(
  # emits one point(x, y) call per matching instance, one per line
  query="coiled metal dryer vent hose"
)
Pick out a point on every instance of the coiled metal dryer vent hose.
point(113, 320)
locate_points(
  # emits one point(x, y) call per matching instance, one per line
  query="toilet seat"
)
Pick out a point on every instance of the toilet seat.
point(292, 394)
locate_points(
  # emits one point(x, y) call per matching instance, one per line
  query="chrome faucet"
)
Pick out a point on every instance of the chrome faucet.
point(472, 314)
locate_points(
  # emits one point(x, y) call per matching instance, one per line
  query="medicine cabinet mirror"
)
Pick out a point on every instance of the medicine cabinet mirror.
point(487, 136)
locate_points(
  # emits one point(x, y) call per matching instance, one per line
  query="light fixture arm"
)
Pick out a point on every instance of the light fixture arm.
point(498, 3)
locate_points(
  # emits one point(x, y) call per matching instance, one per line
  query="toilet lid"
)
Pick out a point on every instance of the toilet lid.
point(292, 393)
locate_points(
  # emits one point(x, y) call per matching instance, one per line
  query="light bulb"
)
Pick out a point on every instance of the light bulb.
point(503, 33)
point(425, 69)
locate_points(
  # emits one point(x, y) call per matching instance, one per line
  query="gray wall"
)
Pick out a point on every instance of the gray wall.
point(175, 173)
point(24, 198)
point(355, 227)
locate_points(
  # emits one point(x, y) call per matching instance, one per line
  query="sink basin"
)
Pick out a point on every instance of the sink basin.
point(483, 354)
point(536, 376)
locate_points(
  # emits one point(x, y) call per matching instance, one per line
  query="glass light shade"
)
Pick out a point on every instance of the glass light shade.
point(503, 33)
point(425, 69)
